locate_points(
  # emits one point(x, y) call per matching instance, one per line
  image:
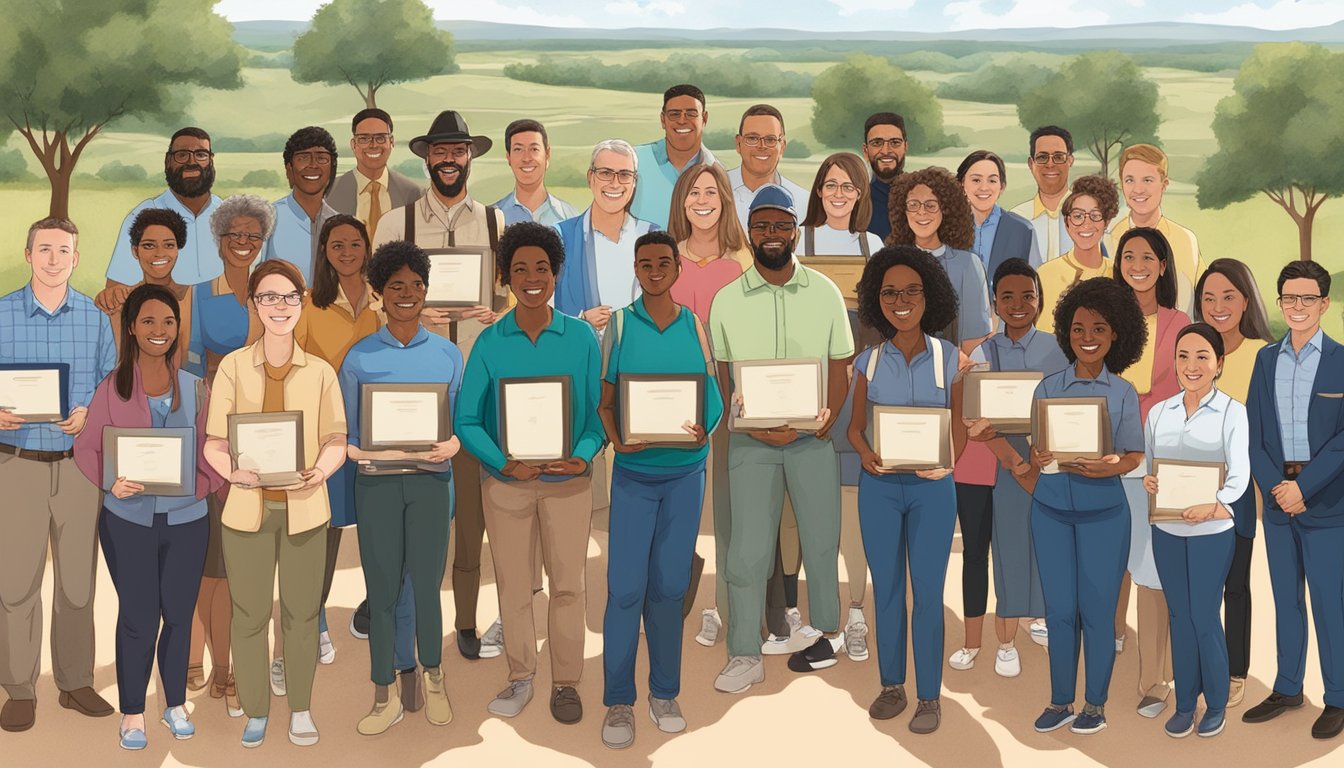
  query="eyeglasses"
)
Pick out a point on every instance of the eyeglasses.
point(1078, 217)
point(445, 152)
point(769, 142)
point(293, 299)
point(365, 139)
point(181, 156)
point(238, 237)
point(1045, 158)
point(678, 114)
point(846, 189)
point(1289, 300)
point(766, 227)
point(880, 143)
point(605, 175)
point(311, 158)
point(889, 296)
point(913, 206)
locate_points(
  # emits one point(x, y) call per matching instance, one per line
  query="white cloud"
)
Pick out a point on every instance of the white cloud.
point(971, 14)
point(645, 9)
point(1283, 14)
point(851, 7)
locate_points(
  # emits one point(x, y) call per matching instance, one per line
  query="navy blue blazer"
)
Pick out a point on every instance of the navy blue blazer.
point(1322, 480)
point(1012, 240)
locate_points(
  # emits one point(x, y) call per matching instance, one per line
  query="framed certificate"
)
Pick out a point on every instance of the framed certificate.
point(163, 460)
point(910, 439)
point(653, 407)
point(1072, 428)
point(403, 417)
point(36, 391)
point(1182, 484)
point(270, 444)
point(1003, 397)
point(534, 418)
point(459, 277)
point(844, 271)
point(778, 393)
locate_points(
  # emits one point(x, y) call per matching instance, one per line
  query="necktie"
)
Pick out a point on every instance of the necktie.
point(375, 208)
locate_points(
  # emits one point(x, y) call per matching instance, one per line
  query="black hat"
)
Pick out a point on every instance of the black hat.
point(450, 127)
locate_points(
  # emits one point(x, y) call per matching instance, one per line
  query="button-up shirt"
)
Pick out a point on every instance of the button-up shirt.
point(552, 210)
point(198, 258)
point(1218, 431)
point(657, 177)
point(1035, 351)
point(901, 383)
point(294, 238)
point(364, 196)
point(968, 280)
point(743, 195)
point(1049, 225)
point(1294, 377)
point(751, 319)
point(616, 283)
point(76, 332)
point(984, 236)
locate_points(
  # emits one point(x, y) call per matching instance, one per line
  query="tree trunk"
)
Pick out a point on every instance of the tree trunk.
point(60, 192)
point(370, 97)
point(1304, 234)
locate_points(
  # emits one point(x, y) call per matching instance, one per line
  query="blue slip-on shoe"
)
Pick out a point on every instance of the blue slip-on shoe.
point(1180, 725)
point(134, 740)
point(175, 718)
point(1212, 723)
point(254, 732)
point(1091, 721)
point(1054, 718)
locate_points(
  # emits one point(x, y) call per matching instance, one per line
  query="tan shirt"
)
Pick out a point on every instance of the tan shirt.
point(330, 333)
point(240, 387)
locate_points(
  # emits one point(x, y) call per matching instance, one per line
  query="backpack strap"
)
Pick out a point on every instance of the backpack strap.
point(939, 375)
point(612, 339)
point(409, 236)
point(809, 241)
point(200, 396)
point(704, 345)
point(492, 228)
point(871, 370)
point(863, 246)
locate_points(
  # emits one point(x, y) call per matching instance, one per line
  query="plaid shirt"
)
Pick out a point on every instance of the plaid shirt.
point(77, 333)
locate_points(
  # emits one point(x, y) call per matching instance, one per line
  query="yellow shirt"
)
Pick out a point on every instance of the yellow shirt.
point(1184, 252)
point(1057, 276)
point(1140, 374)
point(330, 333)
point(1237, 367)
point(310, 387)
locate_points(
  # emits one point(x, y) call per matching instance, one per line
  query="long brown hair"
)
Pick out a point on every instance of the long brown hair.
point(857, 171)
point(325, 280)
point(731, 236)
point(124, 376)
point(1254, 321)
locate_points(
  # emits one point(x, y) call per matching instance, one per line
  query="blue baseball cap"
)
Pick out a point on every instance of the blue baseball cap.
point(773, 196)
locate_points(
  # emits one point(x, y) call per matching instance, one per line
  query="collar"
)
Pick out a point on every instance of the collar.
point(363, 181)
point(889, 348)
point(1215, 400)
point(1001, 339)
point(508, 324)
point(1286, 343)
point(385, 336)
point(659, 149)
point(640, 311)
point(992, 219)
point(1071, 376)
point(371, 302)
point(169, 200)
point(31, 305)
point(1072, 261)
point(736, 181)
point(323, 213)
point(940, 252)
point(1038, 208)
point(297, 358)
point(754, 280)
point(627, 224)
point(434, 207)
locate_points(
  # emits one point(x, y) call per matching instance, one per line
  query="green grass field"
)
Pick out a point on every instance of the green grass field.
point(1257, 232)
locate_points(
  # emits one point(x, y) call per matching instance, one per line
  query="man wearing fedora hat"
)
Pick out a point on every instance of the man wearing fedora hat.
point(446, 216)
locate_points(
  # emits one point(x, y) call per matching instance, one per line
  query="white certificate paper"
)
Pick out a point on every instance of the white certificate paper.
point(150, 460)
point(779, 392)
point(661, 407)
point(1007, 398)
point(1073, 429)
point(267, 447)
point(1180, 486)
point(909, 438)
point(404, 417)
point(454, 277)
point(31, 392)
point(534, 420)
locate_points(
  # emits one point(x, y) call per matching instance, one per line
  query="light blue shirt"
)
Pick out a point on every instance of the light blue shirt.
point(552, 211)
point(968, 280)
point(1218, 431)
point(657, 177)
point(1294, 377)
point(616, 283)
point(912, 384)
point(984, 235)
point(742, 196)
point(295, 236)
point(1035, 351)
point(198, 258)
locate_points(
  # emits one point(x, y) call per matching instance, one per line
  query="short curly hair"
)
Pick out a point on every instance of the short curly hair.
point(159, 217)
point(1116, 303)
point(958, 227)
point(528, 233)
point(242, 206)
point(391, 257)
point(1097, 187)
point(940, 298)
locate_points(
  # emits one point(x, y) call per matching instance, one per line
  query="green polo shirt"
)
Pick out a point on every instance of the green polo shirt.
point(750, 319)
point(566, 347)
point(643, 348)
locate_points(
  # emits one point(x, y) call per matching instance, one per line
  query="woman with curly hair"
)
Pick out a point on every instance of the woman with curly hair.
point(1087, 211)
point(906, 295)
point(1079, 513)
point(929, 210)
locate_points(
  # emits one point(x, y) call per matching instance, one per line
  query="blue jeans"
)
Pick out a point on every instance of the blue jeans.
point(1301, 557)
point(1193, 570)
point(405, 624)
point(654, 522)
point(906, 518)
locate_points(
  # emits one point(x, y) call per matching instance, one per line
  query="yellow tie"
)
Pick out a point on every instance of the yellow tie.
point(375, 208)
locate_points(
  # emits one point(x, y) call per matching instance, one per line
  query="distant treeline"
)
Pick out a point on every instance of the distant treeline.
point(725, 75)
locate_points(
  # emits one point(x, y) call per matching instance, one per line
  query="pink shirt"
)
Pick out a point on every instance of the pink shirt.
point(698, 283)
point(1170, 322)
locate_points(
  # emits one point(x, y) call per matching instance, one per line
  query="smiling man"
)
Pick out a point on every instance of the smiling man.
point(884, 147)
point(310, 161)
point(1143, 179)
point(371, 189)
point(1050, 158)
point(683, 118)
point(529, 157)
point(760, 143)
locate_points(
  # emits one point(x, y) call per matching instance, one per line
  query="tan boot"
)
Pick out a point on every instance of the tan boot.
point(437, 709)
point(1236, 691)
point(383, 715)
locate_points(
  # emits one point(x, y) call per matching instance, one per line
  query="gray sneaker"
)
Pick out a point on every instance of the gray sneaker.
point(710, 624)
point(511, 700)
point(278, 677)
point(927, 717)
point(618, 729)
point(492, 642)
point(856, 641)
point(741, 673)
point(666, 714)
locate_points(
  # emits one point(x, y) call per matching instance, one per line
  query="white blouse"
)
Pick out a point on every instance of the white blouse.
point(1218, 431)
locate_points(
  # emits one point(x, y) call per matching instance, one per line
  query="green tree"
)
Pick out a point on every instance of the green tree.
point(1278, 135)
point(844, 95)
point(1102, 98)
point(372, 43)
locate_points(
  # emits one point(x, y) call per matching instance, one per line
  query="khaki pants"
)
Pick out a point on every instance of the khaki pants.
point(851, 544)
point(1154, 642)
point(47, 502)
point(515, 514)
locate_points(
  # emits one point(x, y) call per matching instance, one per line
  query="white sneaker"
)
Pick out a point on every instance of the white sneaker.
point(802, 638)
point(856, 640)
point(278, 677)
point(1120, 644)
point(741, 673)
point(775, 645)
point(794, 619)
point(1039, 634)
point(492, 642)
point(963, 659)
point(710, 625)
point(1006, 662)
point(326, 651)
point(302, 731)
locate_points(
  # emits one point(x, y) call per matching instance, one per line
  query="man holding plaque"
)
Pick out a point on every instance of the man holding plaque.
point(402, 515)
point(1296, 410)
point(55, 346)
point(778, 310)
point(528, 410)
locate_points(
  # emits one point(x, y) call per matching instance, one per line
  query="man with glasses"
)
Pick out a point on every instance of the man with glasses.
point(529, 156)
point(683, 118)
point(310, 163)
point(1296, 409)
point(884, 146)
point(1050, 160)
point(371, 188)
point(760, 143)
point(189, 169)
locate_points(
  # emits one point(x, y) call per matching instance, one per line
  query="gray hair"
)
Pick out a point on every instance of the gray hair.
point(245, 206)
point(620, 147)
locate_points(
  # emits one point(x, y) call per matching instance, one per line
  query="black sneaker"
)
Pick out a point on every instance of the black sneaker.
point(359, 621)
point(819, 655)
point(468, 644)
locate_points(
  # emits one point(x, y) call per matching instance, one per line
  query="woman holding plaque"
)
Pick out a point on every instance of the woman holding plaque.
point(266, 383)
point(1227, 298)
point(154, 542)
point(1143, 262)
point(907, 516)
point(1194, 544)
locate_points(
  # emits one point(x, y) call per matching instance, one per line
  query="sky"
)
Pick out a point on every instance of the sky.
point(843, 15)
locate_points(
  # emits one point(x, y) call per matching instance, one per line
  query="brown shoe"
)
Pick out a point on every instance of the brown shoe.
point(86, 701)
point(412, 694)
point(566, 707)
point(18, 714)
point(889, 703)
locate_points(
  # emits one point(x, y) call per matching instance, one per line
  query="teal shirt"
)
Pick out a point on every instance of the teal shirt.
point(566, 347)
point(643, 348)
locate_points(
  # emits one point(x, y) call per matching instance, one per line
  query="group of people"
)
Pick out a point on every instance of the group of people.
point(677, 267)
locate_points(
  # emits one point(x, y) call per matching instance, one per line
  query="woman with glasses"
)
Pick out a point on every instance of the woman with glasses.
point(221, 322)
point(1089, 208)
point(838, 210)
point(286, 526)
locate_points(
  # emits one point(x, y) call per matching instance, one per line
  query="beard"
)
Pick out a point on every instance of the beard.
point(887, 176)
point(772, 261)
point(454, 189)
point(184, 187)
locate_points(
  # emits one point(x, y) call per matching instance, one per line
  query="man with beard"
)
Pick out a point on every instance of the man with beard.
point(446, 216)
point(189, 168)
point(310, 163)
point(884, 146)
point(809, 322)
point(371, 188)
point(683, 118)
point(1050, 160)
